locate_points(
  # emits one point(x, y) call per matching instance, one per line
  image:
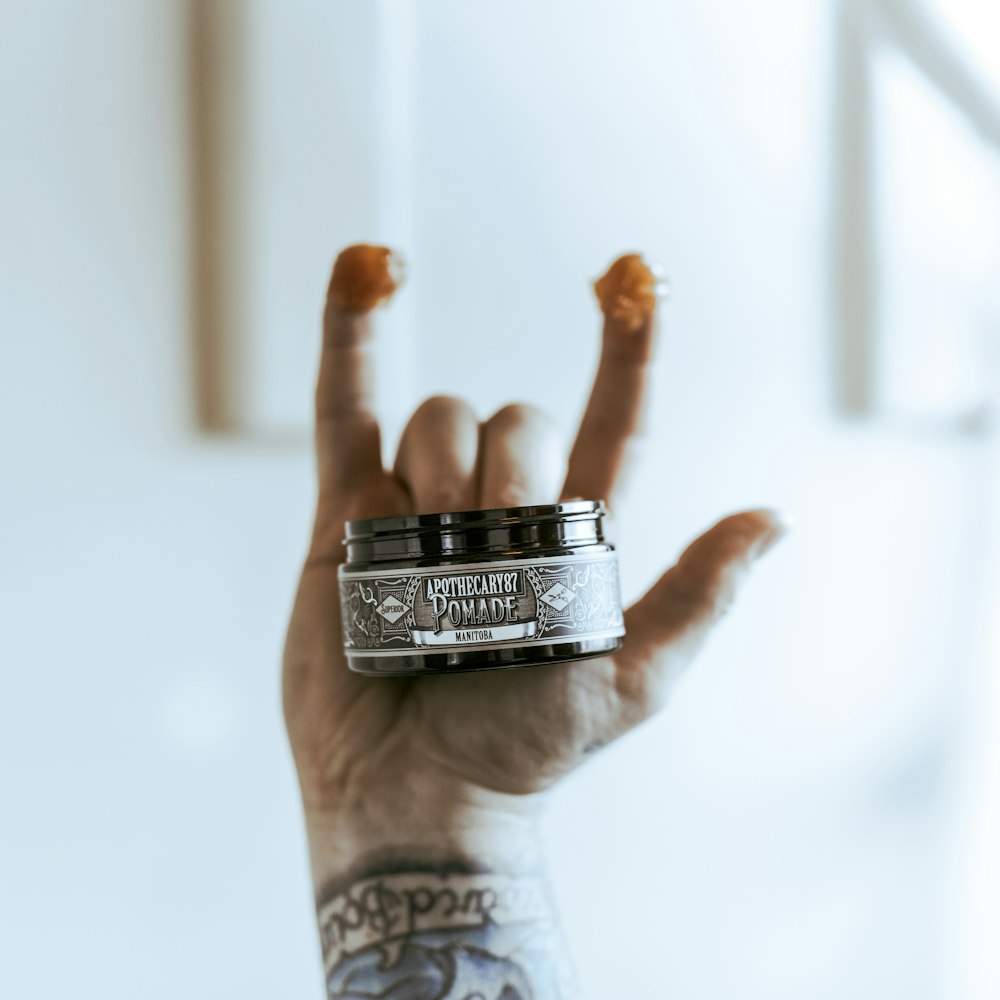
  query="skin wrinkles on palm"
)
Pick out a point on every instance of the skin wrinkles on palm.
point(516, 731)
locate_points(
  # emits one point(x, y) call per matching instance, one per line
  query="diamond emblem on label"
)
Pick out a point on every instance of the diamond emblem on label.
point(558, 597)
point(391, 609)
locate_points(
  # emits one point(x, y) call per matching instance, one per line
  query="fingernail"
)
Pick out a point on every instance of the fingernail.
point(780, 525)
point(365, 276)
point(631, 289)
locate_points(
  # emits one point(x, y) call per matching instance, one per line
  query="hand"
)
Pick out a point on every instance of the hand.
point(445, 762)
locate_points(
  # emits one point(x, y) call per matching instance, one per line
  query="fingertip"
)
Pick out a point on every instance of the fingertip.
point(365, 276)
point(631, 290)
point(772, 526)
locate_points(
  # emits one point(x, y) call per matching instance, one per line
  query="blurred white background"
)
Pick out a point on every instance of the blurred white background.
point(817, 814)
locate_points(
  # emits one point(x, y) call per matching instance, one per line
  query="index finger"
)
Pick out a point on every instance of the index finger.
point(628, 293)
point(348, 445)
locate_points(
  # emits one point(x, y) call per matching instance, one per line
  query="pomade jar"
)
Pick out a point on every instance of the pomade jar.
point(479, 589)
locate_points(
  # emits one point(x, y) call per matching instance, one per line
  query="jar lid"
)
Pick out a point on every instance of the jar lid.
point(472, 533)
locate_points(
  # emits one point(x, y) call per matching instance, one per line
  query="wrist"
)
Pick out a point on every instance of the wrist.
point(426, 820)
point(414, 893)
point(404, 915)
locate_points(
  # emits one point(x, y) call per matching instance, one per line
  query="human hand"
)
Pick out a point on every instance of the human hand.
point(458, 763)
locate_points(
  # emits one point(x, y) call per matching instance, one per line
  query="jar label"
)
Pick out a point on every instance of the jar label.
point(520, 602)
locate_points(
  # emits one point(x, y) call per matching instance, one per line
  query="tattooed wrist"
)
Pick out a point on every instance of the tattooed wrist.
point(441, 932)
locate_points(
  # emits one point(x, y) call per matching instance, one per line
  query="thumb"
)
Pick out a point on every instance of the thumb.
point(666, 628)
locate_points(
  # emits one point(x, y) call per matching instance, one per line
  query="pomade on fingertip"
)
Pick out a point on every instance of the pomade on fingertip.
point(365, 276)
point(628, 292)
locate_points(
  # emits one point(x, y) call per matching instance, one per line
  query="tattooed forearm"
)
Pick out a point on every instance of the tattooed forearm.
point(429, 934)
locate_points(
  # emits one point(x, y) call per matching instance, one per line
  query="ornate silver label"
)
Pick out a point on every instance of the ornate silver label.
point(519, 602)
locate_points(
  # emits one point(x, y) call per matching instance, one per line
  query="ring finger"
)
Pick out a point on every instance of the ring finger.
point(521, 458)
point(437, 456)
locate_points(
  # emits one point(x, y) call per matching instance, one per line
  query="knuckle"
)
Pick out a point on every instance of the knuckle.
point(518, 416)
point(437, 411)
point(448, 496)
point(512, 495)
point(519, 487)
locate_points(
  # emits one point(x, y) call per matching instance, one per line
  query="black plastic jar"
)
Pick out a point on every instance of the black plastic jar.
point(479, 589)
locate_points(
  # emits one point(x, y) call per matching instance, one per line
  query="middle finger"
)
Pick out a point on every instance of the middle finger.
point(437, 456)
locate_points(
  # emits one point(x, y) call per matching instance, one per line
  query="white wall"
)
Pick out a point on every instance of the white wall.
point(782, 832)
point(785, 830)
point(145, 575)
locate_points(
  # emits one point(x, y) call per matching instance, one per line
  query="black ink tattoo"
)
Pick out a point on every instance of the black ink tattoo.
point(442, 935)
